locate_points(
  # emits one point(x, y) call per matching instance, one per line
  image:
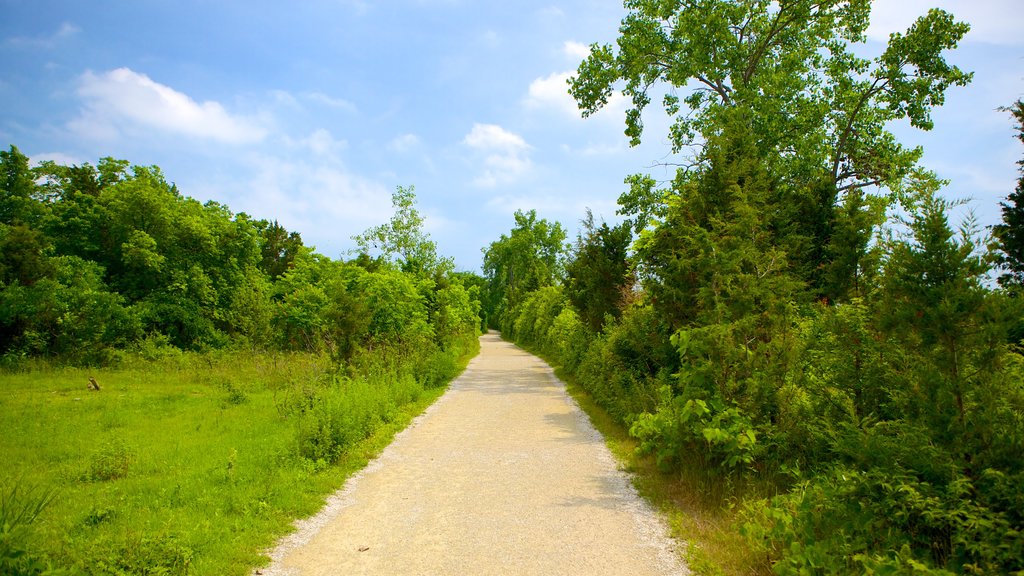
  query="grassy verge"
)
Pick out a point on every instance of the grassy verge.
point(186, 466)
point(701, 507)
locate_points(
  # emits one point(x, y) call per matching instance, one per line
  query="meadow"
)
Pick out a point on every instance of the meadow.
point(191, 464)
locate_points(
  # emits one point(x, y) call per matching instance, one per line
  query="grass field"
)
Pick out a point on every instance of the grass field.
point(189, 465)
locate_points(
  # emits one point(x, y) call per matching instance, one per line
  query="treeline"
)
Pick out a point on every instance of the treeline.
point(765, 314)
point(99, 261)
point(241, 371)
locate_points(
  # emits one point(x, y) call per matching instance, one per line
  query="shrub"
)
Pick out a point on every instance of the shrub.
point(110, 462)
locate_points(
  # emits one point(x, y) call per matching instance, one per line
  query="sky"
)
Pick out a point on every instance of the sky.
point(313, 112)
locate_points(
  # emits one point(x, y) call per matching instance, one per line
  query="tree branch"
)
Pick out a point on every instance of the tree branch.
point(875, 88)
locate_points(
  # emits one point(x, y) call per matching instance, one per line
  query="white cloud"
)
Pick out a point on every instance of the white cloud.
point(552, 92)
point(124, 100)
point(492, 136)
point(57, 157)
point(992, 21)
point(505, 155)
point(404, 143)
point(575, 50)
point(325, 202)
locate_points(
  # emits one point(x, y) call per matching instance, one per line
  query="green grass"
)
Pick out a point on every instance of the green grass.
point(186, 466)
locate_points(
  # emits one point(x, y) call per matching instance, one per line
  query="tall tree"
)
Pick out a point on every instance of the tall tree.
point(1010, 234)
point(818, 113)
point(598, 273)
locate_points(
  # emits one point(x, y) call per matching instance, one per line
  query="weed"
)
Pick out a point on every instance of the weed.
point(20, 506)
point(110, 462)
point(233, 395)
point(99, 515)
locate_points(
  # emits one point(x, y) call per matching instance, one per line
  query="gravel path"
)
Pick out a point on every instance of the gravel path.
point(502, 475)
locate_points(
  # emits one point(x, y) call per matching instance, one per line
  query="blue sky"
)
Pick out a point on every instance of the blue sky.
point(312, 112)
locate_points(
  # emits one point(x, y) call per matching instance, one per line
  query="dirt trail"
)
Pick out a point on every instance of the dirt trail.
point(502, 475)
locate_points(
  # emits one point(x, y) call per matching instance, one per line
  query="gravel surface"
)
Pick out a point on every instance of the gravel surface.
point(504, 474)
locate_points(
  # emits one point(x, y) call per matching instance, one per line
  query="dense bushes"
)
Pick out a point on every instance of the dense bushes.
point(891, 421)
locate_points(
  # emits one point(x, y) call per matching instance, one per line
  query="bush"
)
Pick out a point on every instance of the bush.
point(110, 462)
point(883, 521)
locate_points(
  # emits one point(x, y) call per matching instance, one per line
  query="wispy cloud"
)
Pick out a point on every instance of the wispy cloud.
point(404, 143)
point(505, 155)
point(123, 100)
point(339, 103)
point(320, 143)
point(992, 21)
point(66, 30)
point(321, 198)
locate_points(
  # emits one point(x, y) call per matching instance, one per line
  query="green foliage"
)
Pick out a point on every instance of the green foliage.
point(18, 201)
point(884, 521)
point(598, 276)
point(110, 462)
point(528, 258)
point(693, 427)
point(816, 114)
point(402, 240)
point(278, 248)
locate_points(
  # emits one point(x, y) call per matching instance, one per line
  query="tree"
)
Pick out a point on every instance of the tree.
point(937, 303)
point(402, 240)
point(278, 248)
point(817, 112)
point(530, 257)
point(1010, 234)
point(18, 204)
point(598, 274)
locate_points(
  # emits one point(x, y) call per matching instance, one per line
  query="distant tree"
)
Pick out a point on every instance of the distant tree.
point(528, 258)
point(598, 273)
point(24, 256)
point(402, 240)
point(1010, 234)
point(18, 191)
point(278, 248)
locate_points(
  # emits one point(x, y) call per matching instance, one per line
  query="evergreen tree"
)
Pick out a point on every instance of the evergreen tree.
point(598, 274)
point(1010, 234)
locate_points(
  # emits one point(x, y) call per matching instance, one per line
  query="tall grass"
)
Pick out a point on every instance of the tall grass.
point(193, 464)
